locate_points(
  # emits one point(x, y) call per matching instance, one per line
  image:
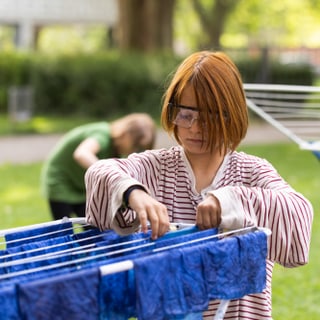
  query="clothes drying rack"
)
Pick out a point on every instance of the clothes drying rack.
point(56, 269)
point(291, 109)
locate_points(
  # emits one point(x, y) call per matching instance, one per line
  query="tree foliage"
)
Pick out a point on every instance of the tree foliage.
point(164, 25)
point(243, 23)
point(275, 23)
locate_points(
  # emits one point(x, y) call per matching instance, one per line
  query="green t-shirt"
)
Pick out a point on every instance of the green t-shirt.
point(62, 178)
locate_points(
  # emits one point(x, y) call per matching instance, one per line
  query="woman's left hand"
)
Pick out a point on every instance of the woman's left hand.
point(208, 213)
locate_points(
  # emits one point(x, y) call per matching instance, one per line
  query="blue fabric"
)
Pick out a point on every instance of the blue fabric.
point(110, 304)
point(24, 235)
point(183, 281)
point(24, 246)
point(49, 246)
point(138, 252)
point(236, 266)
point(20, 249)
point(8, 304)
point(108, 238)
point(70, 296)
point(169, 239)
point(117, 296)
point(40, 278)
point(39, 244)
point(116, 300)
point(161, 275)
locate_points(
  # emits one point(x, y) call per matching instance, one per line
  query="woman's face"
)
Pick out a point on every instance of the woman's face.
point(189, 128)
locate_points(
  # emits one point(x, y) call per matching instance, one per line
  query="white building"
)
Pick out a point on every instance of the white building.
point(28, 16)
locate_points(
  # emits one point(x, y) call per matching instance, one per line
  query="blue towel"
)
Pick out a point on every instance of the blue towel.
point(178, 282)
point(117, 297)
point(8, 304)
point(71, 296)
point(118, 290)
point(173, 284)
point(236, 266)
point(42, 233)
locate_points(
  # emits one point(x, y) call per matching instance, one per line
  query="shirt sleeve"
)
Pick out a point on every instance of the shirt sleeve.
point(106, 181)
point(264, 199)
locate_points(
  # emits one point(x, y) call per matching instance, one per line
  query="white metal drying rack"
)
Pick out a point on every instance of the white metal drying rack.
point(122, 266)
point(293, 110)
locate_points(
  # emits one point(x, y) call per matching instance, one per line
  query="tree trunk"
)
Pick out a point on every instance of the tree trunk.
point(214, 20)
point(145, 25)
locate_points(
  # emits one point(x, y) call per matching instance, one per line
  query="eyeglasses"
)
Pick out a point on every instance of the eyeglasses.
point(184, 116)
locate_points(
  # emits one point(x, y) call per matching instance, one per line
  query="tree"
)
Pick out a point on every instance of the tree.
point(216, 24)
point(213, 16)
point(267, 23)
point(145, 25)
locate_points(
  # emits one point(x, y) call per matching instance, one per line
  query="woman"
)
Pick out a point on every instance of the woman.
point(204, 180)
point(63, 172)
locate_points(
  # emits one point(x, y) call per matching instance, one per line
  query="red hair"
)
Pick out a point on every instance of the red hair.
point(220, 97)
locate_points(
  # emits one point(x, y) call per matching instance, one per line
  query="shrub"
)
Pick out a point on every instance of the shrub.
point(99, 85)
point(111, 84)
point(255, 70)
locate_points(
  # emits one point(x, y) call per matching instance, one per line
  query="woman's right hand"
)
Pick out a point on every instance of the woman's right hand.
point(149, 209)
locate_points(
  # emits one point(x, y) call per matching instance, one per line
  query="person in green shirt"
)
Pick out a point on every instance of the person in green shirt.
point(62, 176)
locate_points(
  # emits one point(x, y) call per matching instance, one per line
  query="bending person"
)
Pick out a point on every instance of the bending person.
point(204, 180)
point(62, 176)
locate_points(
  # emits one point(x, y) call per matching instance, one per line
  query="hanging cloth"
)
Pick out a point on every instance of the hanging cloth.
point(68, 296)
point(184, 280)
point(41, 233)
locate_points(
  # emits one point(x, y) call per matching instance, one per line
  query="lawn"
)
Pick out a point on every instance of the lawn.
point(41, 125)
point(296, 292)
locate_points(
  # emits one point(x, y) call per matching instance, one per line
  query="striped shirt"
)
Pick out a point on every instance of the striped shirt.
point(250, 192)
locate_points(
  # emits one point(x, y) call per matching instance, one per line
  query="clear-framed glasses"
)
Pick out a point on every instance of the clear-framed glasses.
point(184, 116)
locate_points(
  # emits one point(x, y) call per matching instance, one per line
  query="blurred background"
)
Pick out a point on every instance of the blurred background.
point(67, 62)
point(103, 58)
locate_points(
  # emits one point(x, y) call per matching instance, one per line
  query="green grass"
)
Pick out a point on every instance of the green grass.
point(21, 200)
point(42, 125)
point(296, 292)
point(45, 124)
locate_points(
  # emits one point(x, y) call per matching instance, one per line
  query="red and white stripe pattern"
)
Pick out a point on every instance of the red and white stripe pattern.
point(248, 185)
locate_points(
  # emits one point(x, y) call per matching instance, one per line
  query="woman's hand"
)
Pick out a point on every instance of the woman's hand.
point(208, 213)
point(149, 209)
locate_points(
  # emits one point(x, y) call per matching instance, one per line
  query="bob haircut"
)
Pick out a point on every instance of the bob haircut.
point(220, 97)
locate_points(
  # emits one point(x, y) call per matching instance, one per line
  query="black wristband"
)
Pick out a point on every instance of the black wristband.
point(126, 194)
